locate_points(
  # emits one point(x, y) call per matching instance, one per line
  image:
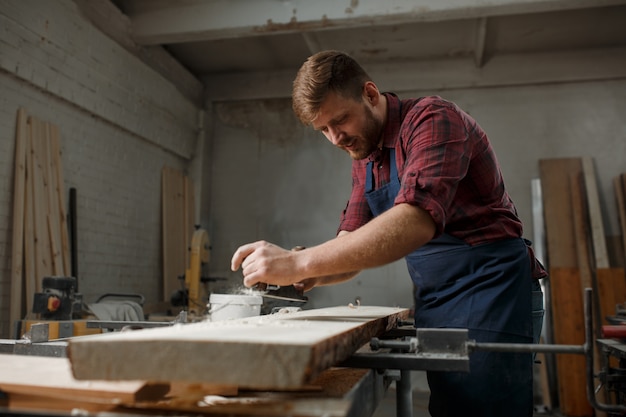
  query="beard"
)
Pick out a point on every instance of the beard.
point(361, 146)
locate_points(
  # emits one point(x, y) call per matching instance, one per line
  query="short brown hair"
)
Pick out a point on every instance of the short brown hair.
point(322, 73)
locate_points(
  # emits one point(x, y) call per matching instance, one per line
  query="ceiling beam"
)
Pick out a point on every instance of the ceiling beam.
point(165, 22)
point(444, 74)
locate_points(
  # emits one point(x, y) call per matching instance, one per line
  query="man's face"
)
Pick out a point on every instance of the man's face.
point(348, 124)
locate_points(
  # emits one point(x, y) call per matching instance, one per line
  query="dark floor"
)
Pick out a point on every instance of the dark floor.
point(387, 407)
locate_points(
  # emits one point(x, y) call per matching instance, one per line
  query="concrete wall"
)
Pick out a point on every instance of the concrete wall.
point(120, 123)
point(288, 185)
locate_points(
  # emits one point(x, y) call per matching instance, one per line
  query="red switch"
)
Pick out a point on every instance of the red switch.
point(53, 303)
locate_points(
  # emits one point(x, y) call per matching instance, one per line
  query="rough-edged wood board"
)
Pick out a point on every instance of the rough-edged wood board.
point(569, 329)
point(273, 351)
point(17, 247)
point(49, 380)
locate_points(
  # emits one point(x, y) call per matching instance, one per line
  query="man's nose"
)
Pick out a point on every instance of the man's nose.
point(335, 136)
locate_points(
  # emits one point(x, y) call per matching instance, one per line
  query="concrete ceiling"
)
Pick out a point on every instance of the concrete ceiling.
point(213, 38)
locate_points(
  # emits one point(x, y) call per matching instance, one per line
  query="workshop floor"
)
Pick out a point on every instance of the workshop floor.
point(387, 407)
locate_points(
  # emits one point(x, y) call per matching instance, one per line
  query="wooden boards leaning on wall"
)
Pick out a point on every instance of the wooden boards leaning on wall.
point(40, 235)
point(281, 351)
point(578, 259)
point(178, 222)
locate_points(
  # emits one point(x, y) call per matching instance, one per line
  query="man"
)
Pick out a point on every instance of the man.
point(426, 187)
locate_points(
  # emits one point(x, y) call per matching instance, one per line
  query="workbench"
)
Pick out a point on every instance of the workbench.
point(337, 392)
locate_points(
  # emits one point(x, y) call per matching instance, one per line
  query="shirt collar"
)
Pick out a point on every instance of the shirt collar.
point(391, 131)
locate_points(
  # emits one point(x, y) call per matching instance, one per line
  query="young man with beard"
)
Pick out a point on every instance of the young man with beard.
point(427, 187)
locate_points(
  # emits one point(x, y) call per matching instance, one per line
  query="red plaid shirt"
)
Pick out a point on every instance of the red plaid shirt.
point(445, 165)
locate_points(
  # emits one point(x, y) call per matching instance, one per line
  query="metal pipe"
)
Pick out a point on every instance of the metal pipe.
point(404, 395)
point(472, 345)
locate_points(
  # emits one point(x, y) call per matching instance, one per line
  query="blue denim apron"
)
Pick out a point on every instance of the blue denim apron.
point(484, 288)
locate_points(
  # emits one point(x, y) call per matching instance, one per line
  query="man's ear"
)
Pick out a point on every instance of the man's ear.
point(370, 93)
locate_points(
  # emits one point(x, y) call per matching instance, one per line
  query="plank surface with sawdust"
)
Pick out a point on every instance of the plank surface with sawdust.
point(273, 351)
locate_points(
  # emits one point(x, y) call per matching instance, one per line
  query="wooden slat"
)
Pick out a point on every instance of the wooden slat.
point(561, 244)
point(47, 383)
point(29, 224)
point(601, 257)
point(175, 247)
point(566, 301)
point(55, 152)
point(53, 218)
point(43, 261)
point(17, 249)
point(273, 351)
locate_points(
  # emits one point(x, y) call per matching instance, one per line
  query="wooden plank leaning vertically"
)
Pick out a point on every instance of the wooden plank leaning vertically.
point(566, 300)
point(29, 223)
point(43, 257)
point(57, 172)
point(53, 217)
point(173, 232)
point(16, 311)
point(580, 209)
point(280, 351)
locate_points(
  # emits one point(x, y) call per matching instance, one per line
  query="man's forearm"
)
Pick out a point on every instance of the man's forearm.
point(385, 239)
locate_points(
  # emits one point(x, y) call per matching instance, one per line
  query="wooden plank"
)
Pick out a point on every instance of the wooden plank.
point(601, 257)
point(560, 239)
point(54, 220)
point(568, 321)
point(43, 260)
point(272, 351)
point(175, 247)
point(16, 311)
point(55, 151)
point(48, 382)
point(29, 224)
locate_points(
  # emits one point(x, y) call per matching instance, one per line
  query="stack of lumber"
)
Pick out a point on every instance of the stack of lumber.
point(178, 221)
point(40, 234)
point(578, 259)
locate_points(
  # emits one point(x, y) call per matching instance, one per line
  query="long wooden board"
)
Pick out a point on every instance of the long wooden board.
point(45, 381)
point(274, 351)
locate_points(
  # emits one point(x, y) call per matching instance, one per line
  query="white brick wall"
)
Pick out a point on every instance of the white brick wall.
point(120, 123)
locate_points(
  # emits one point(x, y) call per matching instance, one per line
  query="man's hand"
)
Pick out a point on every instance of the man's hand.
point(265, 262)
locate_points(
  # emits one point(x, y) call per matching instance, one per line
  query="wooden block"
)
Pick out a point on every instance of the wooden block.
point(35, 382)
point(273, 351)
point(569, 328)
